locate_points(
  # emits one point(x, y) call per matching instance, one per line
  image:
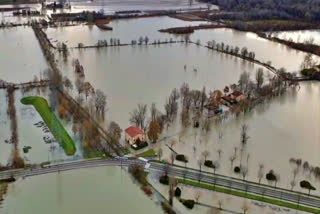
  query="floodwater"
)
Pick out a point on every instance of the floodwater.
point(132, 29)
point(105, 189)
point(286, 127)
point(21, 56)
point(130, 76)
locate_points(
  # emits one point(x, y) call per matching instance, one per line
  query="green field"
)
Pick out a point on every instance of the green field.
point(249, 196)
point(56, 128)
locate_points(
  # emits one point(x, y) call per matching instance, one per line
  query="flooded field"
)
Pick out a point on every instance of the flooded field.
point(148, 74)
point(282, 129)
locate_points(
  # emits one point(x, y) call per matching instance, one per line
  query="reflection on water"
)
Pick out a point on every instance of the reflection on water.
point(299, 35)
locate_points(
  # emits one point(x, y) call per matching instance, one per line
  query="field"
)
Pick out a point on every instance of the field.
point(56, 128)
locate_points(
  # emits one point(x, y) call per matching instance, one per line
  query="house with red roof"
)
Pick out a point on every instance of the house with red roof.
point(133, 133)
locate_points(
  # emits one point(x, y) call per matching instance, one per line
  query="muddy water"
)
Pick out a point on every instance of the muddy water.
point(94, 190)
point(21, 56)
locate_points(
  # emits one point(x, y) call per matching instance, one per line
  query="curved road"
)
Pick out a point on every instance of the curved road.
point(190, 174)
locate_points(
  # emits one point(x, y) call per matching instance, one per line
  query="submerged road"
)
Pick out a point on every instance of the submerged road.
point(190, 174)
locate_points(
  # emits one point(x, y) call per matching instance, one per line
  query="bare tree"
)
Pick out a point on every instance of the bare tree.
point(260, 172)
point(259, 78)
point(232, 159)
point(200, 163)
point(205, 155)
point(171, 106)
point(138, 116)
point(172, 185)
point(219, 153)
point(245, 207)
point(197, 196)
point(79, 85)
point(172, 158)
point(305, 166)
point(160, 152)
point(153, 112)
point(213, 210)
point(100, 101)
point(293, 184)
point(244, 135)
point(215, 166)
point(244, 81)
point(115, 130)
point(244, 172)
point(220, 203)
point(203, 98)
point(172, 142)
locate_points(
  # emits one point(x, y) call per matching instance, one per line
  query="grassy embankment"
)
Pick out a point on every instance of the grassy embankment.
point(56, 128)
point(249, 196)
point(147, 154)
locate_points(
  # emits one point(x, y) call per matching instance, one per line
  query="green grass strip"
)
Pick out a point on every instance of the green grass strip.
point(148, 153)
point(56, 128)
point(249, 196)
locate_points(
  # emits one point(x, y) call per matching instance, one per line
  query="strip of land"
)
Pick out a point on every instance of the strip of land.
point(56, 128)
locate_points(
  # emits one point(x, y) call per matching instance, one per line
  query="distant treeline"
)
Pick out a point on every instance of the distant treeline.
point(270, 9)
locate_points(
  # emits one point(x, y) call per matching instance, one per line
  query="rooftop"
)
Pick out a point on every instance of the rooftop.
point(133, 131)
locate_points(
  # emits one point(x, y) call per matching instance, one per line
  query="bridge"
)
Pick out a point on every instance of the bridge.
point(175, 171)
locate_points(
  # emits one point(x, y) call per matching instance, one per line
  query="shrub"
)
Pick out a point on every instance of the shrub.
point(164, 180)
point(177, 192)
point(181, 158)
point(147, 190)
point(271, 176)
point(237, 169)
point(137, 172)
point(307, 185)
point(208, 163)
point(188, 203)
